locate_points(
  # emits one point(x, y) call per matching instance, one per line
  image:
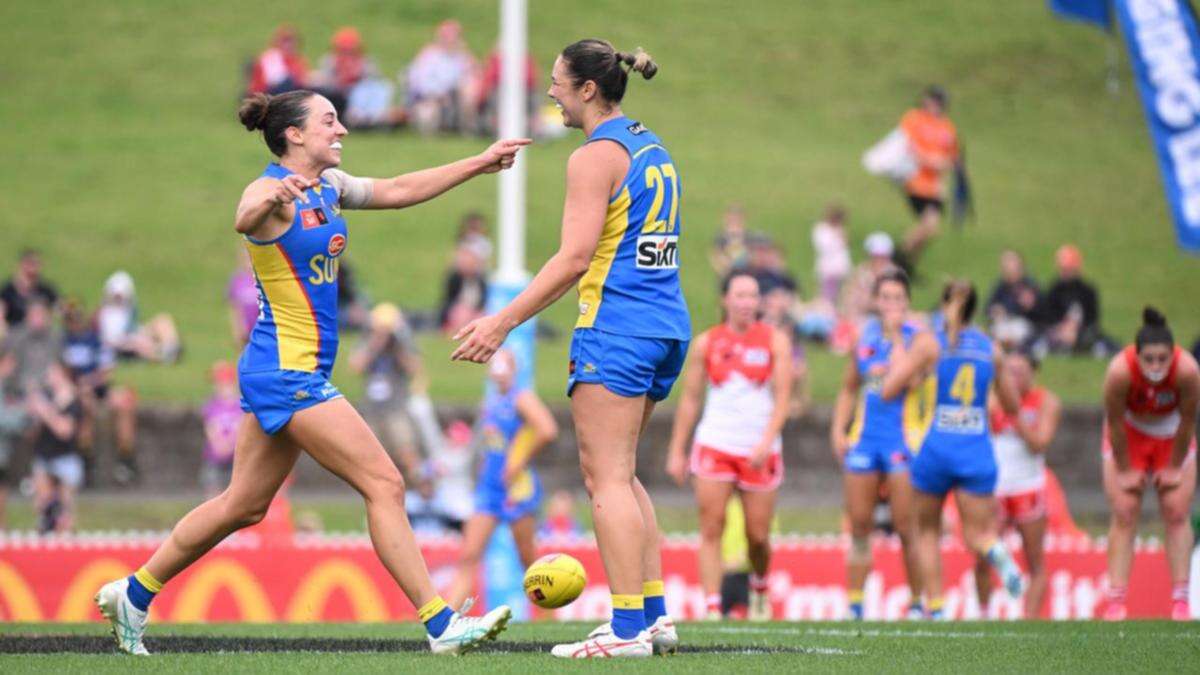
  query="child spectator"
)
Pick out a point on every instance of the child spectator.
point(222, 414)
point(117, 320)
point(441, 80)
point(56, 410)
point(25, 286)
point(832, 253)
point(281, 68)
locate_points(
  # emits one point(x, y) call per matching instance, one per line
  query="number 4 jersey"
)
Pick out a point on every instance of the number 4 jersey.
point(632, 285)
point(964, 375)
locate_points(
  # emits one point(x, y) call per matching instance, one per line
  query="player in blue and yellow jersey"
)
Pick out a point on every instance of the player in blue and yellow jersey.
point(513, 426)
point(291, 221)
point(873, 448)
point(957, 451)
point(620, 243)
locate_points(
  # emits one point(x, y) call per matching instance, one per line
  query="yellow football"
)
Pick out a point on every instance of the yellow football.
point(554, 581)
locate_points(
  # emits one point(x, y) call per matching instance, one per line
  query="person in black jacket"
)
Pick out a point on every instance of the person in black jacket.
point(1070, 311)
point(1013, 303)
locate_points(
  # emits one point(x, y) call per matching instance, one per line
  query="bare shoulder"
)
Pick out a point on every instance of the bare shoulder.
point(1187, 367)
point(260, 186)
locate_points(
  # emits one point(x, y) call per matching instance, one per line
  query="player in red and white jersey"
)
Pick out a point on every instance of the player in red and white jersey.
point(1151, 393)
point(1020, 444)
point(746, 367)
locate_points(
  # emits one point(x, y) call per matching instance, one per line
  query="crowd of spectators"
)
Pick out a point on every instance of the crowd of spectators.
point(444, 88)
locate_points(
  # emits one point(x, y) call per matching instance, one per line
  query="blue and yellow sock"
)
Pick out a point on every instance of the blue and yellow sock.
point(629, 617)
point(142, 588)
point(854, 598)
point(655, 603)
point(936, 608)
point(436, 615)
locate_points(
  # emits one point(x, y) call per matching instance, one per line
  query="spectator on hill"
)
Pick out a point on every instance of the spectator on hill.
point(832, 253)
point(242, 294)
point(731, 247)
point(934, 143)
point(354, 307)
point(768, 265)
point(222, 414)
point(441, 82)
point(30, 348)
point(856, 293)
point(473, 234)
point(560, 520)
point(13, 420)
point(1012, 306)
point(55, 409)
point(117, 319)
point(355, 78)
point(89, 363)
point(281, 68)
point(489, 88)
point(464, 293)
point(1070, 311)
point(388, 358)
point(780, 309)
point(25, 286)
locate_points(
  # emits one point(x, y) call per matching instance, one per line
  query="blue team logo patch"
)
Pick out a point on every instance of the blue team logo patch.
point(636, 128)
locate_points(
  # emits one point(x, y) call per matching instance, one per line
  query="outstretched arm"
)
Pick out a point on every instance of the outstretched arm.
point(408, 189)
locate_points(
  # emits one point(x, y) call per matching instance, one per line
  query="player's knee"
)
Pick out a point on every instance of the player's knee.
point(1174, 515)
point(246, 512)
point(386, 486)
point(1125, 517)
point(758, 538)
point(712, 528)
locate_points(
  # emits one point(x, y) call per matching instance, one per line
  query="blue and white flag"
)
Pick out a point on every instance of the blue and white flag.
point(1098, 12)
point(1164, 50)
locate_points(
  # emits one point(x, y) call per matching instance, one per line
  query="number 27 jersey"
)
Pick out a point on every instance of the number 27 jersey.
point(632, 286)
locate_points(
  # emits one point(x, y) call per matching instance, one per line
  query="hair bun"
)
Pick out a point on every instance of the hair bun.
point(641, 62)
point(1153, 317)
point(253, 111)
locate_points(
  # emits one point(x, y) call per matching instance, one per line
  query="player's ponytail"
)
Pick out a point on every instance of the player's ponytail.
point(274, 114)
point(958, 306)
point(598, 61)
point(1154, 330)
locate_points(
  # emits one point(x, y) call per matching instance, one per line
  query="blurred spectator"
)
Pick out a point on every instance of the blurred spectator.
point(57, 467)
point(777, 310)
point(388, 357)
point(12, 422)
point(768, 266)
point(354, 77)
point(731, 247)
point(441, 80)
point(222, 414)
point(856, 294)
point(1012, 306)
point(242, 294)
point(89, 363)
point(934, 142)
point(281, 68)
point(29, 349)
point(354, 311)
point(25, 286)
point(832, 253)
point(1071, 310)
point(473, 233)
point(560, 520)
point(464, 293)
point(489, 92)
point(117, 320)
point(445, 496)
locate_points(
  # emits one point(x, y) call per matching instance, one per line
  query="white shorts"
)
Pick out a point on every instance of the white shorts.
point(66, 468)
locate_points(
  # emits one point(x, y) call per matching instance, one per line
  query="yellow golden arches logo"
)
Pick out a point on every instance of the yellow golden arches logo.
point(314, 590)
point(22, 604)
point(76, 603)
point(196, 597)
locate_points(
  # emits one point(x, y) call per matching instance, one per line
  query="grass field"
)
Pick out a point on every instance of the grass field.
point(1150, 647)
point(123, 150)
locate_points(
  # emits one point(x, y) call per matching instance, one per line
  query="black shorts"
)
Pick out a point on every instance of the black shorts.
point(919, 204)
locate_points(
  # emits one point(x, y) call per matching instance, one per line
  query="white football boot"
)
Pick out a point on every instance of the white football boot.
point(760, 607)
point(465, 633)
point(663, 637)
point(127, 623)
point(605, 644)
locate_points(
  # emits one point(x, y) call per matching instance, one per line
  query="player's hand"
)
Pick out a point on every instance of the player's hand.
point(1168, 477)
point(841, 445)
point(290, 188)
point(759, 455)
point(1130, 480)
point(501, 154)
point(480, 339)
point(677, 467)
point(511, 471)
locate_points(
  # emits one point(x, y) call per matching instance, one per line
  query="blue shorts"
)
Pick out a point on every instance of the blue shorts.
point(275, 395)
point(871, 456)
point(938, 469)
point(507, 503)
point(625, 365)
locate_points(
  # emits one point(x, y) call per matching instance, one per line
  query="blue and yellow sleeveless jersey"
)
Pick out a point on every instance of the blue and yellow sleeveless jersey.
point(632, 285)
point(501, 429)
point(881, 430)
point(296, 274)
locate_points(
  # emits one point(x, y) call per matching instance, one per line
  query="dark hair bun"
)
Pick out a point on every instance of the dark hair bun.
point(638, 61)
point(253, 111)
point(1153, 317)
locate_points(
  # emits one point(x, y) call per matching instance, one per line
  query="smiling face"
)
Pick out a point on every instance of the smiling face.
point(321, 136)
point(571, 100)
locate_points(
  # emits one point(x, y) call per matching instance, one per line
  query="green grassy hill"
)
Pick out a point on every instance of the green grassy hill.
point(122, 149)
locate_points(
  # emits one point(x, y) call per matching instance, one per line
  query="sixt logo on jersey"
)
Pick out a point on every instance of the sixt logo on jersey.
point(658, 252)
